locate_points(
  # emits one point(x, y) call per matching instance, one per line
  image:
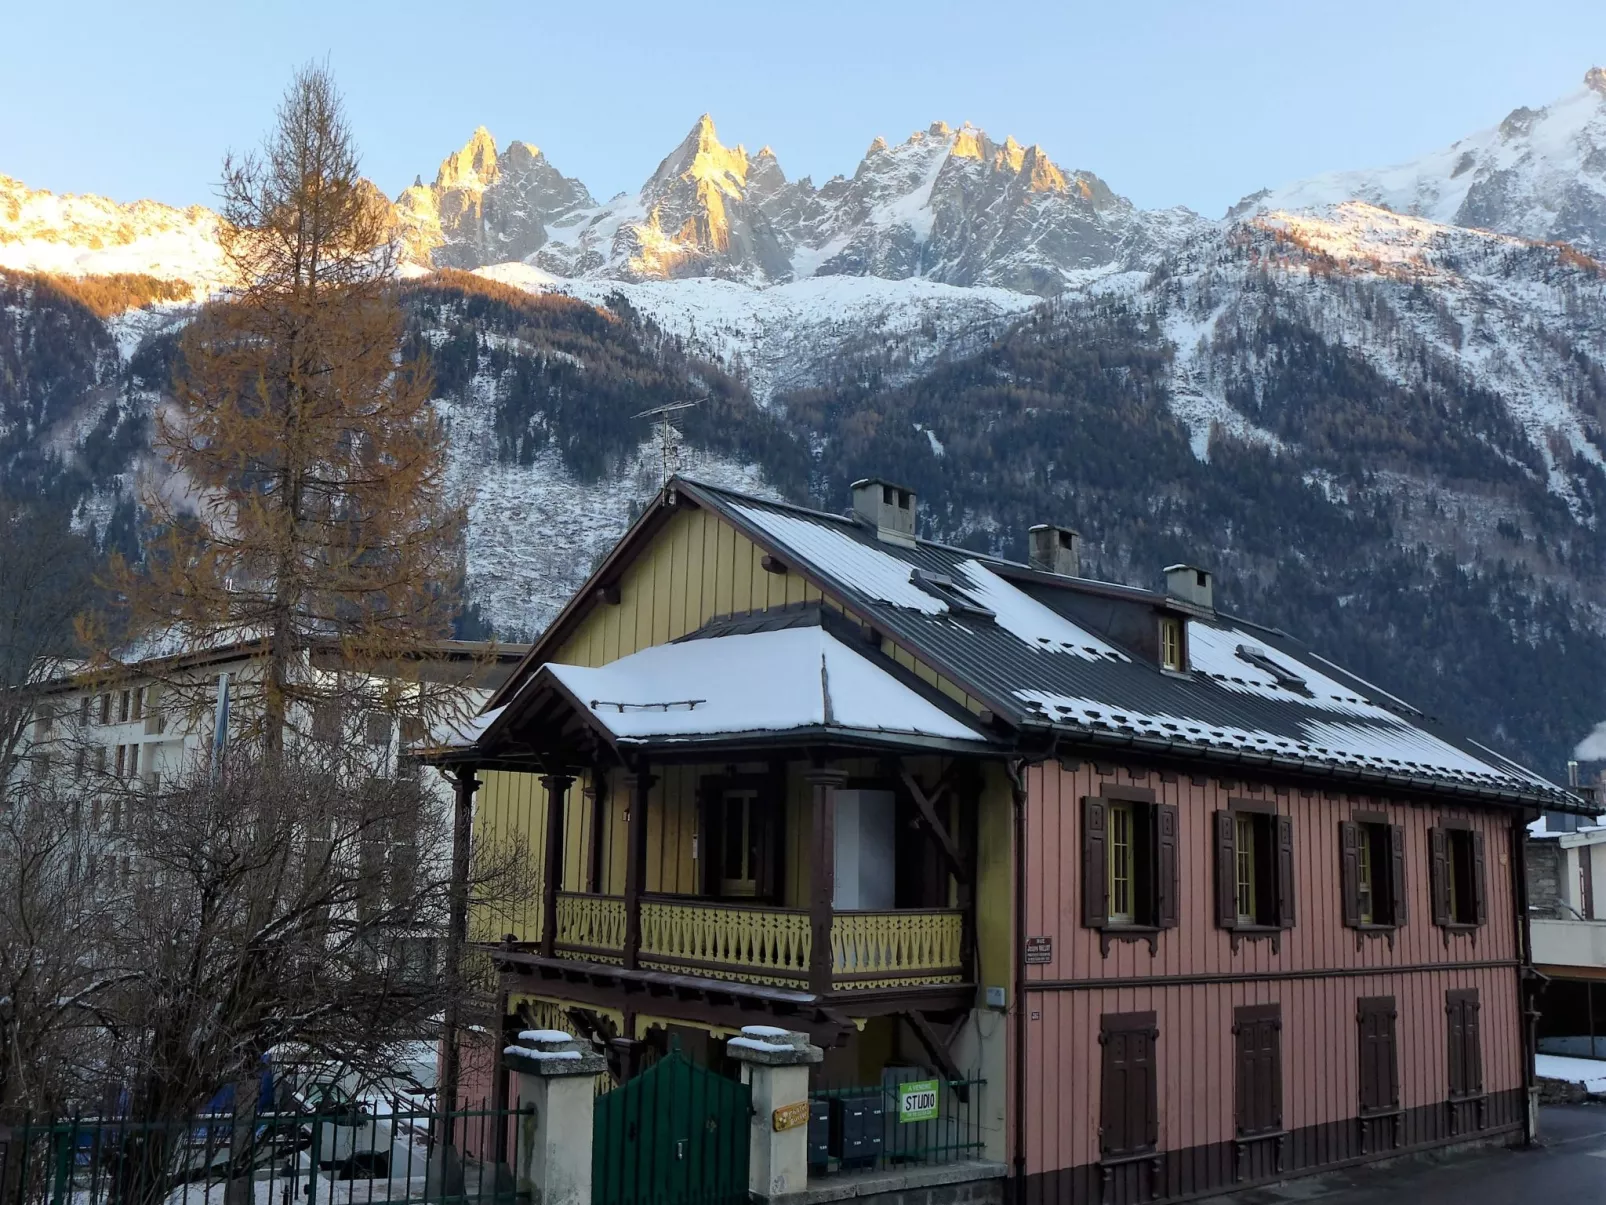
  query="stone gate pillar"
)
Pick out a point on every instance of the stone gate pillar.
point(557, 1087)
point(775, 1065)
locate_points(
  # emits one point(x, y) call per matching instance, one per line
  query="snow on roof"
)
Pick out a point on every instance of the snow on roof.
point(460, 733)
point(1023, 616)
point(878, 574)
point(778, 681)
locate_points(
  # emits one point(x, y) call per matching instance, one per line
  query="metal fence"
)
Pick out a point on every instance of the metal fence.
point(352, 1157)
point(910, 1118)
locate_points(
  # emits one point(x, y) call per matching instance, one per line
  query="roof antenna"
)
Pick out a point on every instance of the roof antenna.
point(668, 435)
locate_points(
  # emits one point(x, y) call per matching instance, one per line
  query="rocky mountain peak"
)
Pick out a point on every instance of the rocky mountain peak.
point(473, 166)
point(702, 158)
point(1595, 80)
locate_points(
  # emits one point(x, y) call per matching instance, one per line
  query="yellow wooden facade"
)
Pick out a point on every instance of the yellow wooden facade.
point(698, 567)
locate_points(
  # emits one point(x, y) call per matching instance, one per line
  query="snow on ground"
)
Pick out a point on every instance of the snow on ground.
point(787, 335)
point(1591, 1073)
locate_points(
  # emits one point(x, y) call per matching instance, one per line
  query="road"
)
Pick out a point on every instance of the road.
point(1568, 1168)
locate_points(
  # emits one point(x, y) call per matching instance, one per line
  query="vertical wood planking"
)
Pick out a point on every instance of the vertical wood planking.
point(1195, 1049)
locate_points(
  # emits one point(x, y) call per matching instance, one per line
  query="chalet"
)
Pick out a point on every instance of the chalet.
point(1185, 905)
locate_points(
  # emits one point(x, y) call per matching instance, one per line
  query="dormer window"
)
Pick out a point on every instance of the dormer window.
point(1172, 656)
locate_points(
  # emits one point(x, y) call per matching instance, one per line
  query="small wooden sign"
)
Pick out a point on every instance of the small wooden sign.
point(789, 1117)
point(1039, 951)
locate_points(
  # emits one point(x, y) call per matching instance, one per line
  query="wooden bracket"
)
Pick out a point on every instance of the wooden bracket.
point(939, 1052)
point(928, 812)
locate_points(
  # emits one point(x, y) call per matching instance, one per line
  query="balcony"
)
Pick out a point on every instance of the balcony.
point(1569, 943)
point(899, 948)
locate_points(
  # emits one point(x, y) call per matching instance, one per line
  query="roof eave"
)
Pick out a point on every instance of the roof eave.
point(1310, 767)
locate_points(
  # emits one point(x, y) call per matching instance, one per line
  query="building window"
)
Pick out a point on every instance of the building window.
point(1171, 654)
point(1379, 1058)
point(377, 730)
point(1129, 1122)
point(1254, 869)
point(1257, 1031)
point(44, 723)
point(122, 707)
point(106, 708)
point(122, 752)
point(1457, 877)
point(137, 712)
point(1461, 1009)
point(1129, 863)
point(1122, 869)
point(741, 822)
point(83, 711)
point(1372, 876)
point(133, 761)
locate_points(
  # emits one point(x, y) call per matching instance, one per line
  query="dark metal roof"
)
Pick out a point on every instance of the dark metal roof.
point(1018, 640)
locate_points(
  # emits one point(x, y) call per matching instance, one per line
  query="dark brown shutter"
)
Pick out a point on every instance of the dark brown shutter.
point(1129, 1119)
point(1396, 874)
point(1479, 899)
point(1095, 864)
point(1165, 865)
point(1379, 1063)
point(1472, 1029)
point(1285, 871)
point(1257, 1030)
point(1455, 1041)
point(1439, 874)
point(1349, 852)
point(1226, 871)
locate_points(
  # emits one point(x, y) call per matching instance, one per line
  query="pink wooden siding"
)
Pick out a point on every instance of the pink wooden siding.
point(1195, 1047)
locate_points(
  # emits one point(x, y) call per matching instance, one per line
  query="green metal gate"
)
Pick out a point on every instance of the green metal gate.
point(677, 1134)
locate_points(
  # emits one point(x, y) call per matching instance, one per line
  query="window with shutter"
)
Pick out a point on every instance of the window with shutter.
point(1372, 874)
point(1129, 1094)
point(1254, 869)
point(1257, 1034)
point(1457, 876)
point(1129, 864)
point(1379, 1060)
point(1465, 1044)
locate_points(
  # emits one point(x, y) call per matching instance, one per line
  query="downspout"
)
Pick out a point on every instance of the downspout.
point(1017, 787)
point(1526, 975)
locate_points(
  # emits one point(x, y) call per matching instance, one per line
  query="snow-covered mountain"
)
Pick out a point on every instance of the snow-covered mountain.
point(1539, 174)
point(91, 236)
point(946, 205)
point(1375, 401)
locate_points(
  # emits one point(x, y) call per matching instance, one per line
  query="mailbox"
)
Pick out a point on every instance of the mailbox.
point(819, 1133)
point(857, 1124)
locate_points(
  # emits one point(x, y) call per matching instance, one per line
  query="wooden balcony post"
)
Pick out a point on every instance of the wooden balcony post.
point(638, 789)
point(557, 791)
point(467, 782)
point(823, 786)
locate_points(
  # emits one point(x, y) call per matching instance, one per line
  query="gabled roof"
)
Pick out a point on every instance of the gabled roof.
point(1020, 641)
point(784, 677)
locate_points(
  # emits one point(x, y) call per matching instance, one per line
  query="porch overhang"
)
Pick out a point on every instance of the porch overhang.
point(798, 687)
point(829, 1019)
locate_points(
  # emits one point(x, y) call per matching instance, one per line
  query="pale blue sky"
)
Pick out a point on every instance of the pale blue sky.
point(1171, 102)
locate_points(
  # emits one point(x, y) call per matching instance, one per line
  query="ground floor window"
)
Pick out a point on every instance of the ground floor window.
point(1129, 1099)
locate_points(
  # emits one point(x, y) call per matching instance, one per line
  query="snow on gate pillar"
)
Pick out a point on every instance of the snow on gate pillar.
point(557, 1088)
point(775, 1064)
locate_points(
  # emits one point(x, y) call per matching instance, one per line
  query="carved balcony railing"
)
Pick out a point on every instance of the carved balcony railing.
point(763, 945)
point(591, 925)
point(756, 944)
point(898, 948)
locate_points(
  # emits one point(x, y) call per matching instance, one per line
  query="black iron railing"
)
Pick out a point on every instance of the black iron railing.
point(351, 1157)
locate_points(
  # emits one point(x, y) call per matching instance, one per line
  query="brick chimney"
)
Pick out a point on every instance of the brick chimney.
point(1055, 550)
point(1191, 584)
point(888, 508)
